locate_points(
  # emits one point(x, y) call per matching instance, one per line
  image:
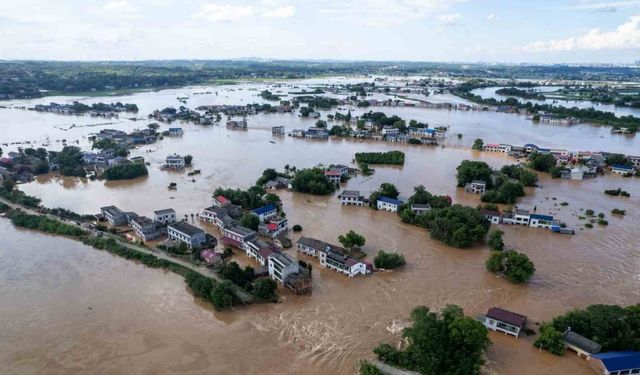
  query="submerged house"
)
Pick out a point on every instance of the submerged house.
point(186, 233)
point(580, 344)
point(114, 215)
point(616, 363)
point(501, 320)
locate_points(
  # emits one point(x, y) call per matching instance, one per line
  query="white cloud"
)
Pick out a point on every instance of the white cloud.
point(448, 19)
point(385, 12)
point(280, 12)
point(491, 17)
point(224, 12)
point(119, 6)
point(625, 36)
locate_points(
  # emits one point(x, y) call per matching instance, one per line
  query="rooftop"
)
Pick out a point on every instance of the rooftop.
point(618, 361)
point(506, 316)
point(582, 342)
point(240, 230)
point(284, 259)
point(390, 200)
point(350, 193)
point(186, 228)
point(542, 217)
point(113, 210)
point(265, 209)
point(165, 211)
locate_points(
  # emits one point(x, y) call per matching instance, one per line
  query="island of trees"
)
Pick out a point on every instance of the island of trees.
point(389, 157)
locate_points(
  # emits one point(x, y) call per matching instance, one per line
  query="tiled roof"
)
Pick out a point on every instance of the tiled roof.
point(264, 209)
point(185, 228)
point(506, 316)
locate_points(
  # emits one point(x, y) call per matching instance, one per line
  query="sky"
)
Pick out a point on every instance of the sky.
point(538, 31)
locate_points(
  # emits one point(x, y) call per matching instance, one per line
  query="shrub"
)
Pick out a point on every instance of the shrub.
point(388, 260)
point(297, 228)
point(550, 340)
point(516, 267)
point(495, 241)
point(617, 211)
point(125, 171)
point(389, 157)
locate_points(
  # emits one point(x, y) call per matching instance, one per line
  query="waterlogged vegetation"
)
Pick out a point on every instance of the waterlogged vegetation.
point(312, 181)
point(515, 267)
point(388, 260)
point(614, 327)
point(448, 343)
point(389, 157)
point(125, 171)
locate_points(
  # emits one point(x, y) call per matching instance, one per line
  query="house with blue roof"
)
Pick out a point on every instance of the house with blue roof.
point(542, 221)
point(388, 204)
point(175, 131)
point(266, 212)
point(622, 169)
point(616, 363)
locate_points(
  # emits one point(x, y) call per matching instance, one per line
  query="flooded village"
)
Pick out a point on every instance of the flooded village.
point(333, 304)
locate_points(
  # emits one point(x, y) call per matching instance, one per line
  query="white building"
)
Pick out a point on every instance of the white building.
point(166, 216)
point(390, 131)
point(505, 321)
point(518, 217)
point(282, 265)
point(542, 221)
point(175, 131)
point(388, 204)
point(351, 198)
point(186, 233)
point(145, 228)
point(420, 208)
point(476, 187)
point(114, 215)
point(174, 161)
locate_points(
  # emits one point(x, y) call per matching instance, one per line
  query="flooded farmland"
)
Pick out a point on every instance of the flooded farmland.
point(66, 307)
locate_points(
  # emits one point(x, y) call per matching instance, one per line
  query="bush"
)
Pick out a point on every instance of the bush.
point(389, 157)
point(613, 327)
point(125, 171)
point(550, 340)
point(249, 220)
point(617, 211)
point(469, 171)
point(589, 212)
point(447, 343)
point(265, 289)
point(312, 181)
point(603, 222)
point(458, 226)
point(367, 368)
point(495, 240)
point(297, 228)
point(542, 162)
point(516, 267)
point(44, 224)
point(388, 260)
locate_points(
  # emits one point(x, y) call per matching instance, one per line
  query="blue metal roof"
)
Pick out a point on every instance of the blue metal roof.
point(541, 217)
point(618, 361)
point(390, 200)
point(264, 209)
point(620, 166)
point(530, 145)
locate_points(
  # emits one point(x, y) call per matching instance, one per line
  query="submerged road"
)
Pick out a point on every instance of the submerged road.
point(241, 294)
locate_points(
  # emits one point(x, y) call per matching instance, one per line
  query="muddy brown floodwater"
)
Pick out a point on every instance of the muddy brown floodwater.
point(69, 309)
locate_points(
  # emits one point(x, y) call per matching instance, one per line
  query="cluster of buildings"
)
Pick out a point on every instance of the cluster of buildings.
point(170, 114)
point(311, 133)
point(576, 164)
point(281, 267)
point(526, 218)
point(333, 257)
point(237, 124)
point(164, 222)
point(20, 167)
point(607, 363)
point(77, 108)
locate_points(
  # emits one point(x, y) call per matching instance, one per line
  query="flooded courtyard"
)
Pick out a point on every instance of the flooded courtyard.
point(66, 307)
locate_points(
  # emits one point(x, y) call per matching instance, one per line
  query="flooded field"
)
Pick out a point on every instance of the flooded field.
point(66, 307)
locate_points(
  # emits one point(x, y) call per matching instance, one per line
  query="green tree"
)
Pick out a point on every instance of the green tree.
point(388, 260)
point(514, 266)
point(312, 181)
point(188, 159)
point(478, 144)
point(125, 171)
point(542, 162)
point(449, 344)
point(265, 289)
point(550, 340)
point(336, 130)
point(222, 295)
point(70, 161)
point(458, 226)
point(495, 241)
point(249, 220)
point(351, 239)
point(367, 368)
point(469, 171)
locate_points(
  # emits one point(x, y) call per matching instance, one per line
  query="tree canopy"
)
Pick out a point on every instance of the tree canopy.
point(388, 260)
point(445, 344)
point(312, 181)
point(469, 171)
point(514, 266)
point(351, 239)
point(458, 226)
